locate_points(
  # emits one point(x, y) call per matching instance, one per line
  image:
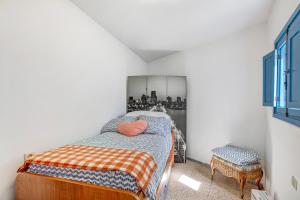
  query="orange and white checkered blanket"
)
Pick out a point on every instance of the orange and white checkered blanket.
point(140, 165)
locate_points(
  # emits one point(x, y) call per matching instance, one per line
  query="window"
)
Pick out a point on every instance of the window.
point(280, 76)
point(293, 72)
point(287, 72)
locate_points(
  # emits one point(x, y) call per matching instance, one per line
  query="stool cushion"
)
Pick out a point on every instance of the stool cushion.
point(237, 155)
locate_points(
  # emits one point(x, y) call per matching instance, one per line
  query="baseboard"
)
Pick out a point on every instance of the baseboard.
point(197, 161)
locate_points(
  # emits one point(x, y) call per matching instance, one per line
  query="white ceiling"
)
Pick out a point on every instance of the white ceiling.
point(156, 28)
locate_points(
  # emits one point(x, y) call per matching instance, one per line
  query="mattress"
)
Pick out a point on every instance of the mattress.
point(158, 146)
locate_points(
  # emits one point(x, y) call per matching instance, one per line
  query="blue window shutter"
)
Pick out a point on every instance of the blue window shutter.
point(293, 77)
point(268, 79)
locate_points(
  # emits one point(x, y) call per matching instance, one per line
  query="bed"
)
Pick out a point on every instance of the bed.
point(51, 182)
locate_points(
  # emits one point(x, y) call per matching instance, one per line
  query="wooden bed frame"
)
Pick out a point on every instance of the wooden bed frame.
point(38, 187)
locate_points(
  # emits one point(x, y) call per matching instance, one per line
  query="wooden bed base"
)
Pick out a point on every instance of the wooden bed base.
point(37, 187)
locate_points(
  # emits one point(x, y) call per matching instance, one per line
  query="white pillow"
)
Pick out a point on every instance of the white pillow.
point(148, 113)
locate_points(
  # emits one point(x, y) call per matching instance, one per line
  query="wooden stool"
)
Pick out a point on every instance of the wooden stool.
point(240, 173)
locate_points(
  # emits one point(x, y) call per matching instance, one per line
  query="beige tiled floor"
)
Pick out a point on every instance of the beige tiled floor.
point(221, 188)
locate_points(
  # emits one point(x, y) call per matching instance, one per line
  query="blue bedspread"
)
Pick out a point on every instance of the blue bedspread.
point(156, 145)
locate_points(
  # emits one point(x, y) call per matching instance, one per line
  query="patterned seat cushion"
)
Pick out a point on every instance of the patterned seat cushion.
point(237, 155)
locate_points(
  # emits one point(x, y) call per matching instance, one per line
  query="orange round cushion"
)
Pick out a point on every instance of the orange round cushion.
point(132, 128)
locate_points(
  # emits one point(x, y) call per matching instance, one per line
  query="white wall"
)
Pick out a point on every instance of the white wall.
point(282, 139)
point(224, 91)
point(61, 77)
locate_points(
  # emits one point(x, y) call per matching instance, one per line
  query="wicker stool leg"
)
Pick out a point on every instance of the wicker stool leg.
point(258, 180)
point(213, 169)
point(243, 181)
